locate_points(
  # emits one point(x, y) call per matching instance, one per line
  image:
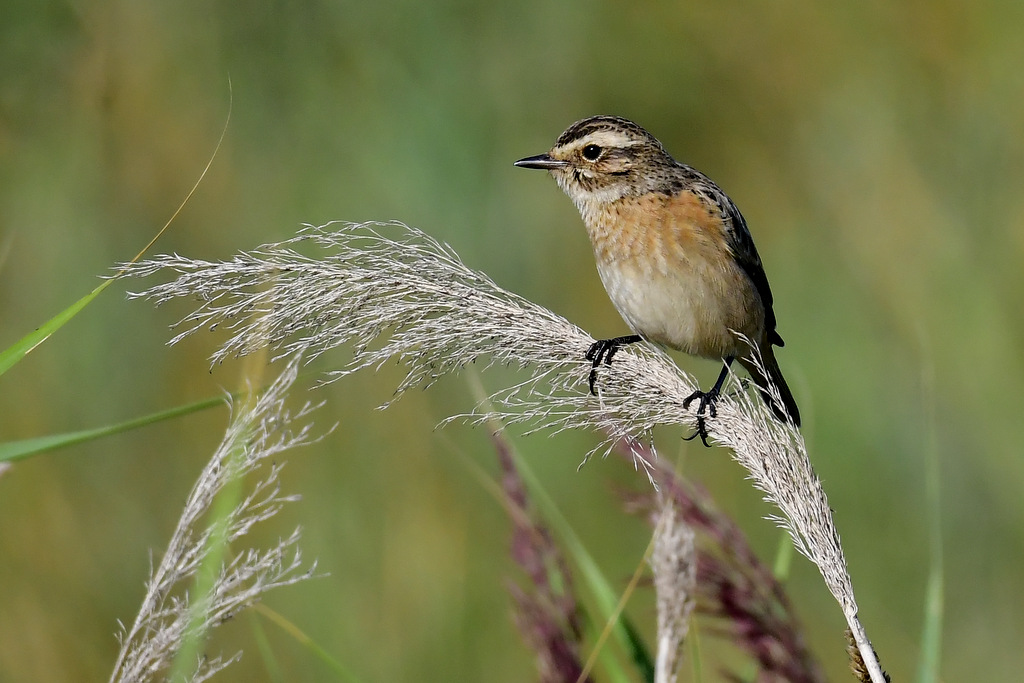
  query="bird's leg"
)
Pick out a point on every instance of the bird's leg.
point(604, 349)
point(707, 403)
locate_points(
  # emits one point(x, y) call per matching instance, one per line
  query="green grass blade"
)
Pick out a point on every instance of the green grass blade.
point(339, 669)
point(18, 450)
point(274, 672)
point(696, 657)
point(10, 356)
point(783, 558)
point(606, 598)
point(928, 668)
point(613, 668)
point(931, 636)
point(600, 587)
point(638, 651)
point(201, 595)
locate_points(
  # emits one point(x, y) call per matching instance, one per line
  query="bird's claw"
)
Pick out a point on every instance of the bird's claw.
point(702, 432)
point(707, 404)
point(602, 351)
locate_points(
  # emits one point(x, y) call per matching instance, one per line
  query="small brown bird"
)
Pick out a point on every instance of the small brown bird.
point(673, 253)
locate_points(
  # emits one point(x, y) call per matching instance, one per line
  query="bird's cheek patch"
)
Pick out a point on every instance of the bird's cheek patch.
point(616, 165)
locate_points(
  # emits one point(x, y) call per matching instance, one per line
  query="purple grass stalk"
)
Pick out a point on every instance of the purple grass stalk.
point(546, 612)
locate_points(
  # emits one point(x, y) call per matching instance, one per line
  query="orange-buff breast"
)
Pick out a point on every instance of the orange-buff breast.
point(668, 269)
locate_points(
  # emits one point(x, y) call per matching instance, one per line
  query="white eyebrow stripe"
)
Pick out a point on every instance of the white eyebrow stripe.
point(603, 138)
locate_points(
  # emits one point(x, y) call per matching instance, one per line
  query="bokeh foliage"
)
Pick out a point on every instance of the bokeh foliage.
point(876, 150)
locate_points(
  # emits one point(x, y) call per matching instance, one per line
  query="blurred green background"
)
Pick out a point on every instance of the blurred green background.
point(876, 150)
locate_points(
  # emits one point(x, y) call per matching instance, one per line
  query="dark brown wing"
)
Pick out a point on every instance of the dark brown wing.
point(742, 245)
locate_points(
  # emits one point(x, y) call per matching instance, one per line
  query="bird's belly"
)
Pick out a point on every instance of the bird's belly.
point(696, 307)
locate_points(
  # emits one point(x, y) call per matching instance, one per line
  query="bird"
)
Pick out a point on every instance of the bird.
point(674, 254)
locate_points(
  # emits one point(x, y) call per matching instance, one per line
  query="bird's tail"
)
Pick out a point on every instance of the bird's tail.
point(768, 375)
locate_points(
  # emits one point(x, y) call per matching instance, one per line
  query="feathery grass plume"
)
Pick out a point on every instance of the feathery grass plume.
point(396, 293)
point(546, 612)
point(169, 614)
point(674, 564)
point(732, 584)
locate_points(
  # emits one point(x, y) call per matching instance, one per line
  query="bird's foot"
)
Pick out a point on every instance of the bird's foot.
point(706, 405)
point(604, 350)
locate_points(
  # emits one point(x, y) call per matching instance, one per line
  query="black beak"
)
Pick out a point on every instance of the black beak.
point(542, 161)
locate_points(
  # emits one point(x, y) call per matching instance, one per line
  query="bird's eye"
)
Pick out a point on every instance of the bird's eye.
point(591, 152)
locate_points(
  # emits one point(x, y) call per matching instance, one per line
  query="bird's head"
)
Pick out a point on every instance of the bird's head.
point(603, 158)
